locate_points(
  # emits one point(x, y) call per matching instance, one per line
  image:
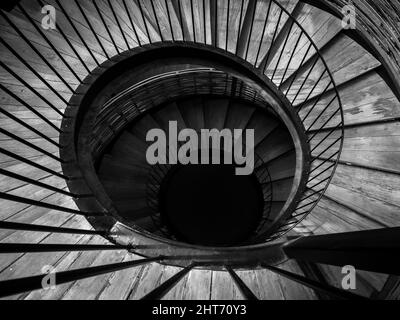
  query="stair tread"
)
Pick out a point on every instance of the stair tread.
point(128, 147)
point(111, 167)
point(276, 144)
point(124, 189)
point(262, 125)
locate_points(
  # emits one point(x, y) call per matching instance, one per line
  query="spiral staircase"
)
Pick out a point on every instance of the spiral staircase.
point(78, 195)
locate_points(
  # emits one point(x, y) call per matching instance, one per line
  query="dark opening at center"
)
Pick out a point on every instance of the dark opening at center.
point(211, 206)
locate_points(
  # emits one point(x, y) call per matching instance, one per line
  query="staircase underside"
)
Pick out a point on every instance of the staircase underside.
point(37, 83)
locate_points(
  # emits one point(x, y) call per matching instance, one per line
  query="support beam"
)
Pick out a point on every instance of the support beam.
point(375, 251)
point(40, 204)
point(159, 292)
point(36, 228)
point(390, 291)
point(246, 29)
point(332, 291)
point(244, 289)
point(374, 38)
point(313, 272)
point(12, 287)
point(283, 34)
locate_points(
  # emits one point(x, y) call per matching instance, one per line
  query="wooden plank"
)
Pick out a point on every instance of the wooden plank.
point(36, 216)
point(7, 184)
point(112, 24)
point(239, 115)
point(215, 113)
point(331, 217)
point(283, 167)
point(271, 29)
point(289, 29)
point(149, 279)
point(91, 288)
point(375, 146)
point(366, 99)
point(250, 279)
point(282, 189)
point(177, 292)
point(193, 113)
point(80, 24)
point(122, 283)
point(381, 212)
point(390, 291)
point(36, 193)
point(275, 145)
point(292, 290)
point(72, 261)
point(269, 285)
point(223, 287)
point(167, 114)
point(345, 59)
point(17, 265)
point(262, 126)
point(198, 285)
point(367, 283)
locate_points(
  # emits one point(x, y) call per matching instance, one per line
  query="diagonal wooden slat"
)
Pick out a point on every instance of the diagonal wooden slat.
point(12, 287)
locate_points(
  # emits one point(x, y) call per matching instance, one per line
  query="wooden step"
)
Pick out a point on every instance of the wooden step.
point(284, 167)
point(369, 193)
point(143, 126)
point(263, 125)
point(239, 116)
point(125, 189)
point(365, 99)
point(167, 114)
point(320, 27)
point(215, 113)
point(111, 167)
point(281, 190)
point(367, 283)
point(258, 44)
point(134, 210)
point(283, 289)
point(192, 111)
point(275, 145)
point(345, 59)
point(130, 149)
